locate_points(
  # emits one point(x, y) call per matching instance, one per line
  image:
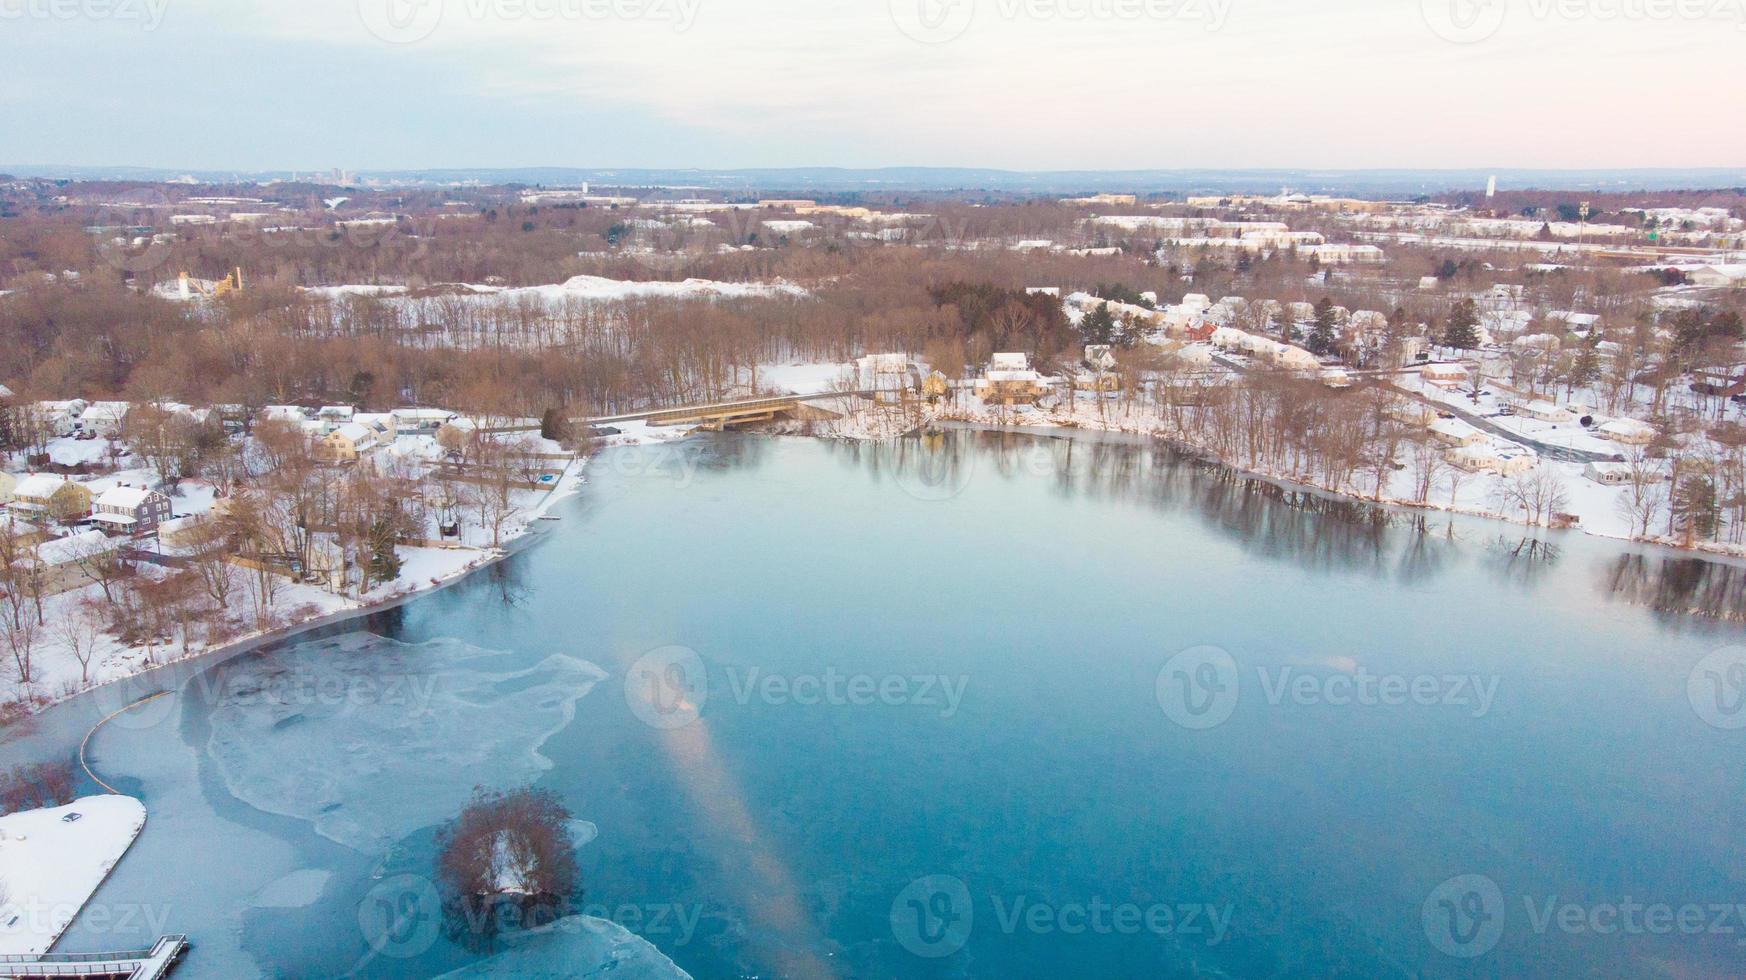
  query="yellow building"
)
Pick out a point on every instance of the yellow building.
point(44, 496)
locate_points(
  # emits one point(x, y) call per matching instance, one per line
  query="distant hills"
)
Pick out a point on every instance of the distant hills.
point(1381, 182)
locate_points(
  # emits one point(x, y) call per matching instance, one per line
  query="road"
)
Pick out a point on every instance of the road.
point(1548, 450)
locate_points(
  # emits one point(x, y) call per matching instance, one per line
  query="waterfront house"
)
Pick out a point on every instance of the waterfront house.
point(1010, 381)
point(1545, 411)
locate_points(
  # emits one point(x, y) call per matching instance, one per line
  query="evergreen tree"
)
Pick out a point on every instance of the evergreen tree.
point(384, 560)
point(1098, 327)
point(1322, 337)
point(1462, 332)
point(1696, 513)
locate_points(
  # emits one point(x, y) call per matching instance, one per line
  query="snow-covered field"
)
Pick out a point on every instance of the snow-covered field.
point(588, 288)
point(52, 860)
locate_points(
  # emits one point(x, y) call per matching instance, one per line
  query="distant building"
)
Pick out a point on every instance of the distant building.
point(103, 418)
point(419, 421)
point(346, 443)
point(1618, 474)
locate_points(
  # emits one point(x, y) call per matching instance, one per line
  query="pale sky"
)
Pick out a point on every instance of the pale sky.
point(1019, 84)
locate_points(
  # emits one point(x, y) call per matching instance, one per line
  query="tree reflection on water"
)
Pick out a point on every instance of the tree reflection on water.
point(1676, 588)
point(1316, 530)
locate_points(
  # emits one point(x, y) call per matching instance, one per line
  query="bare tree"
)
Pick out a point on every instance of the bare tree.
point(79, 630)
point(1644, 495)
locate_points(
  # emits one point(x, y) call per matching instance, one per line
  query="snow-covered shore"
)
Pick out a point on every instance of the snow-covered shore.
point(51, 862)
point(58, 673)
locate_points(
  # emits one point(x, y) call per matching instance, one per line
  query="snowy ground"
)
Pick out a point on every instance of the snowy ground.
point(57, 671)
point(50, 865)
point(803, 378)
point(1597, 506)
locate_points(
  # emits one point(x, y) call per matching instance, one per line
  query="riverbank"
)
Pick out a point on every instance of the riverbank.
point(304, 608)
point(1596, 507)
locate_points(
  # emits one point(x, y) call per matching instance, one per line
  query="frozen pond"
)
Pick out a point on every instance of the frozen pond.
point(976, 705)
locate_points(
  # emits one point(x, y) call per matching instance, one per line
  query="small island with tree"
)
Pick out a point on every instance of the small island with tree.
point(506, 864)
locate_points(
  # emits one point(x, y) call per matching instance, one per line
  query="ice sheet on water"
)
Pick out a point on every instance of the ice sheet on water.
point(371, 739)
point(576, 946)
point(299, 889)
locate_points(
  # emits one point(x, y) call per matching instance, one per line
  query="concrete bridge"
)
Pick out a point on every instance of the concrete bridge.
point(723, 414)
point(139, 964)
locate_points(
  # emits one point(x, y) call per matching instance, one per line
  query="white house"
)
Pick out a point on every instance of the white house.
point(61, 417)
point(1717, 275)
point(1479, 458)
point(1617, 474)
point(1456, 433)
point(419, 421)
point(1629, 432)
point(881, 372)
point(1545, 411)
point(104, 418)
